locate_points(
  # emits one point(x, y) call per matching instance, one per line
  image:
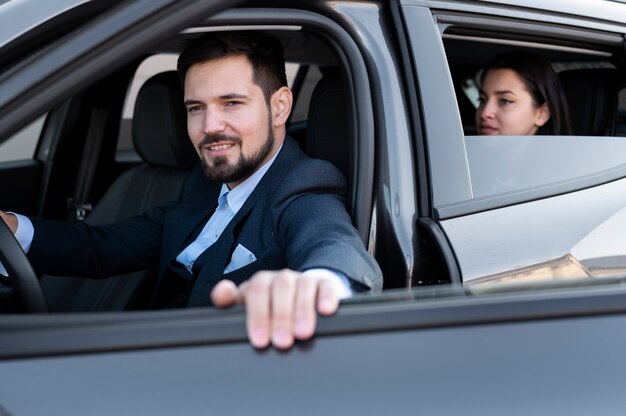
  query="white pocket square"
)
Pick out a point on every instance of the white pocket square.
point(241, 257)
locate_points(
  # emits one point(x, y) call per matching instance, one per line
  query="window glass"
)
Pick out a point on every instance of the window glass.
point(22, 144)
point(501, 164)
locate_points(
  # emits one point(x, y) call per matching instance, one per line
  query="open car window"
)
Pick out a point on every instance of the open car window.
point(91, 137)
point(23, 143)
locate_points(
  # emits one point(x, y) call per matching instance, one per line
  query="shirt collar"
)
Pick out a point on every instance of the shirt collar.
point(238, 195)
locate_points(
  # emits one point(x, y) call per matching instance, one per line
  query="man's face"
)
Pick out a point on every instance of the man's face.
point(228, 120)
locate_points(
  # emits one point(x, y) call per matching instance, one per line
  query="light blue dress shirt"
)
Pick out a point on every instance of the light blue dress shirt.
point(23, 235)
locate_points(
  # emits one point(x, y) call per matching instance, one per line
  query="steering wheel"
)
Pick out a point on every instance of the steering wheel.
point(25, 281)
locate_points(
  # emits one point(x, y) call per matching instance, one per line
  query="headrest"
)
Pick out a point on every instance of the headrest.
point(592, 99)
point(160, 123)
point(327, 123)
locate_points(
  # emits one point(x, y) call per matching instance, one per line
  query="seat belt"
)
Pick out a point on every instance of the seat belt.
point(79, 205)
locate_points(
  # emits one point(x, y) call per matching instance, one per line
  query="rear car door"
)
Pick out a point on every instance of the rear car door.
point(525, 208)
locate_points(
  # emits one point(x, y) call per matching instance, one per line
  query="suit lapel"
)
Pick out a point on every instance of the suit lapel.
point(209, 267)
point(186, 223)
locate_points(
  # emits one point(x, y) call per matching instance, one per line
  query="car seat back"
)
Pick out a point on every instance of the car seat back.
point(328, 133)
point(592, 99)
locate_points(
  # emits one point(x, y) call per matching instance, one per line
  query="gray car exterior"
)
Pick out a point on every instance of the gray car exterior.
point(480, 332)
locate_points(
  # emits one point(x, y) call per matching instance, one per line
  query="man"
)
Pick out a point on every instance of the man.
point(259, 224)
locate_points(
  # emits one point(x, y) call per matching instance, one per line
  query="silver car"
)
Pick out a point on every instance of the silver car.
point(503, 256)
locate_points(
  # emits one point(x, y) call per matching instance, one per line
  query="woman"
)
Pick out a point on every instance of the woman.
point(521, 95)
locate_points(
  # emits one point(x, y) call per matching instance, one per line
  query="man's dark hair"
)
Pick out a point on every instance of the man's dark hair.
point(263, 50)
point(542, 83)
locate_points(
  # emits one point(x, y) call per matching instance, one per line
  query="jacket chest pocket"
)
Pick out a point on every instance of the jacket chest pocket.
point(271, 261)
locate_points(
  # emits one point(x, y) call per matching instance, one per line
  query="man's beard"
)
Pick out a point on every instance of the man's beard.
point(223, 172)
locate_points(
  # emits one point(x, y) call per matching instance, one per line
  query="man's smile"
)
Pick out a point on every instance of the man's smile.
point(219, 147)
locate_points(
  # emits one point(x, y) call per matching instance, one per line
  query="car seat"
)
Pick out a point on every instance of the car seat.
point(592, 99)
point(328, 129)
point(327, 134)
point(160, 138)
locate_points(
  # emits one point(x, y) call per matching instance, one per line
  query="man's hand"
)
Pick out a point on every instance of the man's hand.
point(10, 220)
point(280, 305)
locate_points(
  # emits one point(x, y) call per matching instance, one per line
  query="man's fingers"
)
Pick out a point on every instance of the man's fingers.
point(257, 293)
point(305, 315)
point(283, 295)
point(10, 220)
point(226, 294)
point(280, 305)
point(327, 299)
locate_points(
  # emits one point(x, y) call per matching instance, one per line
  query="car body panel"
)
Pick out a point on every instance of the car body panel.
point(486, 249)
point(456, 369)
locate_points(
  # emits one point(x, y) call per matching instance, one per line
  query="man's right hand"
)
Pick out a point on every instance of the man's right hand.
point(281, 305)
point(10, 220)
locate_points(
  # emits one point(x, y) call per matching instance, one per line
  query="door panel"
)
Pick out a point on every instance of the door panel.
point(572, 235)
point(536, 353)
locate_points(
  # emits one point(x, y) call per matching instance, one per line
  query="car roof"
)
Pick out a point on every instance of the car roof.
point(597, 14)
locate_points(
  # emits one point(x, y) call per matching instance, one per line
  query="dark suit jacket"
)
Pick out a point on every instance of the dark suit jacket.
point(295, 218)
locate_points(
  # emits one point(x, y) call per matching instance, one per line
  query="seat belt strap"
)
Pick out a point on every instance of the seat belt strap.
point(79, 205)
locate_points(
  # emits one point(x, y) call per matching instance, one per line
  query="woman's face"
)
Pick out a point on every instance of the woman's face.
point(506, 107)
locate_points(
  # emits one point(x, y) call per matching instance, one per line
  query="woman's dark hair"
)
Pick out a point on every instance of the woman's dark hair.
point(543, 85)
point(263, 50)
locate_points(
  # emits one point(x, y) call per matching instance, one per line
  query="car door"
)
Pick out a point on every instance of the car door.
point(528, 207)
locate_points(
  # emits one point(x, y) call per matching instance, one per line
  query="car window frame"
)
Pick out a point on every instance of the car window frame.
point(451, 185)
